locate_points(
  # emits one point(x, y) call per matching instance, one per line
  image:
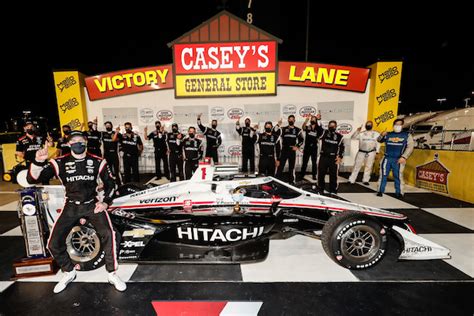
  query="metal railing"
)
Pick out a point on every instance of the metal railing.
point(461, 140)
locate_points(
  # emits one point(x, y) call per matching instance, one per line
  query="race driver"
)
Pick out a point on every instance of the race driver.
point(213, 138)
point(79, 172)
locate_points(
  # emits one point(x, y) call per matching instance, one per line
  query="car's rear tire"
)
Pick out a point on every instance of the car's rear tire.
point(354, 240)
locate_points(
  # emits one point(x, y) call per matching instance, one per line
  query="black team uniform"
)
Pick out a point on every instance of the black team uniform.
point(159, 142)
point(192, 151)
point(129, 145)
point(310, 150)
point(291, 136)
point(269, 150)
point(213, 141)
point(63, 145)
point(175, 147)
point(111, 152)
point(94, 140)
point(332, 146)
point(249, 137)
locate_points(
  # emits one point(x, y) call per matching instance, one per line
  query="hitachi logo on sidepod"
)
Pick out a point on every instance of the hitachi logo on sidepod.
point(81, 177)
point(208, 234)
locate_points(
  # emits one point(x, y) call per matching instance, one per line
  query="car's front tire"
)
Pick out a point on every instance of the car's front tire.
point(84, 248)
point(354, 240)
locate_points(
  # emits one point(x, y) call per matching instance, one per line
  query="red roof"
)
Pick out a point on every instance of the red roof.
point(224, 27)
point(434, 165)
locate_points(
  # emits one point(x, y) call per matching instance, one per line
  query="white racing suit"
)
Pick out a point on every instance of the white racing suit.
point(368, 148)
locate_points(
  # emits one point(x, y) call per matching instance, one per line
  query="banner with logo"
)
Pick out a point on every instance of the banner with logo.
point(447, 172)
point(225, 69)
point(70, 97)
point(129, 81)
point(385, 81)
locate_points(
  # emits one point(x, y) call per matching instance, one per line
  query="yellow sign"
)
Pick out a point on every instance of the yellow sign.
point(69, 86)
point(225, 84)
point(385, 81)
point(448, 171)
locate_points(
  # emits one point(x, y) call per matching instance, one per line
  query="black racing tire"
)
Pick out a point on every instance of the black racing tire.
point(89, 254)
point(353, 240)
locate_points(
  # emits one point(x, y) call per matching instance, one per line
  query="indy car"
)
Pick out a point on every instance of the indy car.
point(220, 217)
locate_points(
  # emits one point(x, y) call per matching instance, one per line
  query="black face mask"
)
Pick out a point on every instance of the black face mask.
point(175, 130)
point(30, 131)
point(268, 129)
point(313, 122)
point(78, 148)
point(66, 132)
point(191, 135)
point(90, 126)
point(214, 126)
point(158, 127)
point(368, 127)
point(108, 129)
point(332, 129)
point(247, 124)
point(128, 130)
point(291, 123)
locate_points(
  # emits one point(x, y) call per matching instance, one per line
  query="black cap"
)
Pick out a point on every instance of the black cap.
point(28, 122)
point(174, 124)
point(75, 133)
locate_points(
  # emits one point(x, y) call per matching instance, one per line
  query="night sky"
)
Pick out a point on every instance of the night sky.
point(438, 62)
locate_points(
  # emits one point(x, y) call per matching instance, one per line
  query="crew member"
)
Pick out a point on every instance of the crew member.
point(132, 146)
point(269, 150)
point(368, 149)
point(292, 139)
point(30, 143)
point(248, 135)
point(330, 157)
point(213, 138)
point(62, 144)
point(192, 153)
point(93, 139)
point(159, 142)
point(111, 139)
point(79, 173)
point(175, 151)
point(398, 147)
point(310, 149)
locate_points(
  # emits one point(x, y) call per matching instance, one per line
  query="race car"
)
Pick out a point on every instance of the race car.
point(212, 218)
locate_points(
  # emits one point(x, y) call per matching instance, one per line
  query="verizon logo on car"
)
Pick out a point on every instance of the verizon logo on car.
point(208, 234)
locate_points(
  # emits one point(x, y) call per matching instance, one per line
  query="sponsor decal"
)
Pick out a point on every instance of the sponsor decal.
point(235, 113)
point(384, 117)
point(289, 109)
point(387, 95)
point(417, 249)
point(66, 83)
point(234, 150)
point(123, 213)
point(138, 233)
point(146, 115)
point(159, 200)
point(129, 81)
point(164, 115)
point(133, 244)
point(306, 111)
point(69, 105)
point(79, 178)
point(322, 76)
point(217, 113)
point(90, 162)
point(75, 123)
point(209, 234)
point(433, 176)
point(388, 74)
point(187, 205)
point(344, 128)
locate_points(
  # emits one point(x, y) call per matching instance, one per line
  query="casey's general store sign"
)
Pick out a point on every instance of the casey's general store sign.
point(225, 56)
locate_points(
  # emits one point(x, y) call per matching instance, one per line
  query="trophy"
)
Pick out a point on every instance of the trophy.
point(34, 227)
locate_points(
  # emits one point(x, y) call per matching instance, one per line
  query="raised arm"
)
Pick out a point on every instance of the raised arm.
point(201, 127)
point(40, 169)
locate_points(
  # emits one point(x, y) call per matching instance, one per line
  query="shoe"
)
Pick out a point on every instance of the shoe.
point(115, 280)
point(67, 278)
point(314, 178)
point(365, 183)
point(379, 194)
point(398, 195)
point(351, 183)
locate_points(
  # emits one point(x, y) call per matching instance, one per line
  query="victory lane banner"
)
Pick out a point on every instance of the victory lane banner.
point(129, 81)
